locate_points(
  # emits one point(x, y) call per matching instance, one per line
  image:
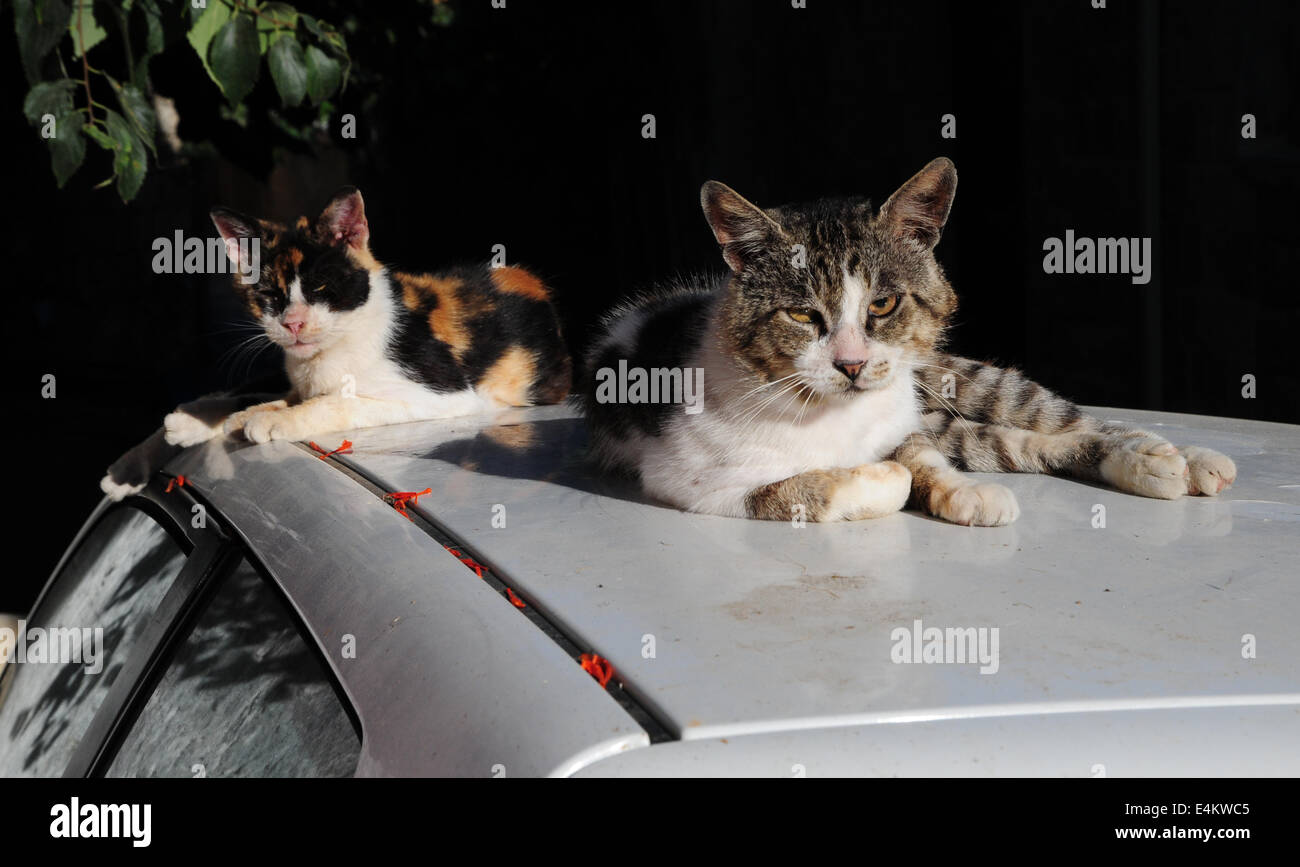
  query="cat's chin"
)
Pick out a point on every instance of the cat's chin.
point(302, 350)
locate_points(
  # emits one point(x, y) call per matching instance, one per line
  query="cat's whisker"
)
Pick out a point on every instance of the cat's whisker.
point(807, 402)
point(768, 399)
point(766, 385)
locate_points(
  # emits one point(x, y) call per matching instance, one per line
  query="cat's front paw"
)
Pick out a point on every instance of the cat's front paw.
point(870, 491)
point(1145, 466)
point(236, 420)
point(184, 430)
point(118, 490)
point(1208, 472)
point(263, 427)
point(980, 505)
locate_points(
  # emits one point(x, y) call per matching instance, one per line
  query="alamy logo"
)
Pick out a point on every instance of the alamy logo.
point(1100, 256)
point(76, 819)
point(656, 385)
point(181, 255)
point(953, 646)
point(84, 646)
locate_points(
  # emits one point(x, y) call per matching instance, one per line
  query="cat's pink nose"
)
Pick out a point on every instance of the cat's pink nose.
point(293, 325)
point(851, 369)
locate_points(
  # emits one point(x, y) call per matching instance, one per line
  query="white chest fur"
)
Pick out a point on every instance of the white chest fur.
point(709, 461)
point(356, 363)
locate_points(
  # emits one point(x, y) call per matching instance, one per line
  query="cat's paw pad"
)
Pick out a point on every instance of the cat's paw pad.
point(118, 490)
point(1148, 467)
point(980, 505)
point(1208, 472)
point(870, 491)
point(263, 427)
point(183, 429)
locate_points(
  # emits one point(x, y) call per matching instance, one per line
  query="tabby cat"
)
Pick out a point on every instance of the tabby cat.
point(824, 392)
point(365, 346)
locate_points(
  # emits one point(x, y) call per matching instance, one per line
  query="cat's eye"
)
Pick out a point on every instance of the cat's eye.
point(320, 287)
point(883, 306)
point(803, 317)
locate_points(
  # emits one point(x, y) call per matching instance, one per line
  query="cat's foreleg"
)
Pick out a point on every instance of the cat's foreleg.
point(236, 421)
point(200, 420)
point(938, 489)
point(334, 412)
point(836, 494)
point(190, 424)
point(132, 471)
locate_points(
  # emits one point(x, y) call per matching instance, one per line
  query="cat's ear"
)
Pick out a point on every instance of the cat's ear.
point(238, 232)
point(344, 220)
point(919, 210)
point(742, 228)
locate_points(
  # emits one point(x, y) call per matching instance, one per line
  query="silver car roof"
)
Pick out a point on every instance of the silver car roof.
point(770, 635)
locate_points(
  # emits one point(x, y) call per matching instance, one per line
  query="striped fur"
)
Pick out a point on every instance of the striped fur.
point(826, 394)
point(983, 418)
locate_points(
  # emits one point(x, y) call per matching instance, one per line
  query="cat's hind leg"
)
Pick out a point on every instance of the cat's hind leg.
point(1131, 460)
point(1208, 472)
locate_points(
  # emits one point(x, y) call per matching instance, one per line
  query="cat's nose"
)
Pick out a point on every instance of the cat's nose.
point(293, 325)
point(851, 369)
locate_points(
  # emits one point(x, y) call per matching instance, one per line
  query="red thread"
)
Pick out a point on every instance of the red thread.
point(467, 560)
point(598, 667)
point(175, 481)
point(514, 600)
point(344, 449)
point(399, 500)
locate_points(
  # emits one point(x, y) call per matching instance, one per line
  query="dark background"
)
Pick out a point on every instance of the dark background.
point(523, 127)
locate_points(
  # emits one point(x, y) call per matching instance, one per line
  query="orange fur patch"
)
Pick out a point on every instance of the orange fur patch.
point(302, 223)
point(447, 320)
point(412, 297)
point(362, 258)
point(519, 282)
point(511, 377)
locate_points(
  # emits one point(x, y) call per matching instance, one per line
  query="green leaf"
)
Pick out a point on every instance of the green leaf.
point(289, 70)
point(99, 137)
point(83, 23)
point(276, 22)
point(313, 26)
point(67, 147)
point(48, 97)
point(138, 110)
point(130, 160)
point(323, 74)
point(328, 36)
point(234, 57)
point(39, 25)
point(216, 16)
point(148, 35)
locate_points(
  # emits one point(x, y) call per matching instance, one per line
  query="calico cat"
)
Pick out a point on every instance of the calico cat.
point(365, 346)
point(824, 390)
